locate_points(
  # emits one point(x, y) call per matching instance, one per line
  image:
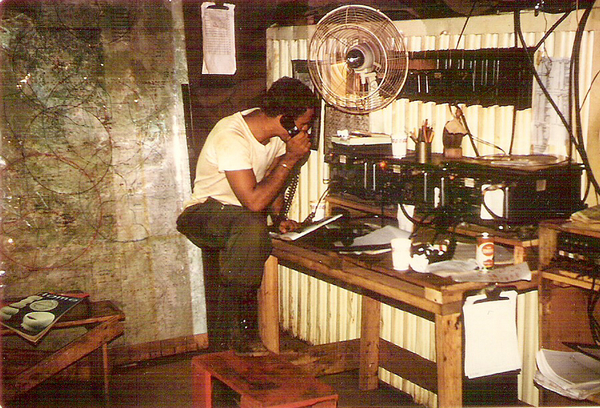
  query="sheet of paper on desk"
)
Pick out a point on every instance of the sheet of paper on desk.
point(307, 229)
point(469, 271)
point(491, 344)
point(381, 236)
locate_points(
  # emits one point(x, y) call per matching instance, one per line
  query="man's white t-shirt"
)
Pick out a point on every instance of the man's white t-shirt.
point(231, 146)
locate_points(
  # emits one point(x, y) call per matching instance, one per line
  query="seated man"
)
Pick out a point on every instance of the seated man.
point(246, 163)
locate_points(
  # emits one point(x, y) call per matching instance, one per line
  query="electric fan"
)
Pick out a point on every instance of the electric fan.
point(357, 59)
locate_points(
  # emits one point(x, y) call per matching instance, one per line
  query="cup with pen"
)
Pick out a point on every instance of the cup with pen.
point(423, 143)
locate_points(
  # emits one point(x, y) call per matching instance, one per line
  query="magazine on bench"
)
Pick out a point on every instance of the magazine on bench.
point(307, 229)
point(33, 316)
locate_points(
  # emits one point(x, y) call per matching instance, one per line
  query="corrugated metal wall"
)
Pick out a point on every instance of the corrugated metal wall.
point(319, 312)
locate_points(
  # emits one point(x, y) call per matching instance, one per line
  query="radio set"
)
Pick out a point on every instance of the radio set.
point(384, 180)
point(495, 191)
point(578, 247)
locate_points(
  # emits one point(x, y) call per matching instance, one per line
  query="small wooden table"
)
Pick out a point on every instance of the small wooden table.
point(23, 369)
point(440, 298)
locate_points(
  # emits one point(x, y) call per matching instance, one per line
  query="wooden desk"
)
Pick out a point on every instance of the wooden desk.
point(378, 282)
point(24, 369)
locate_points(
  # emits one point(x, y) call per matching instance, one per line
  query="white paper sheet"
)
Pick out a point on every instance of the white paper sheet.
point(380, 236)
point(491, 344)
point(218, 39)
point(469, 271)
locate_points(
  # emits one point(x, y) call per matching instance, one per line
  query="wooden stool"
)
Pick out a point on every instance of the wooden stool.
point(265, 381)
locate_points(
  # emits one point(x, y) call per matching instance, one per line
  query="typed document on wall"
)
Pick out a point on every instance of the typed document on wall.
point(218, 38)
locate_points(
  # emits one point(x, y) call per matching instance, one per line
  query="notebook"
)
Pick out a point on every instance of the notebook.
point(306, 229)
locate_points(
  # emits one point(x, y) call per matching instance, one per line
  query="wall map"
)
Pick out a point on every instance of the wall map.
point(91, 181)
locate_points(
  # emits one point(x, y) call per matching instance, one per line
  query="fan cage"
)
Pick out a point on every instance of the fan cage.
point(350, 90)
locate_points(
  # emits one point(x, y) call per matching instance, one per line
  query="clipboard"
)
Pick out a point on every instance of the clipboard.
point(491, 344)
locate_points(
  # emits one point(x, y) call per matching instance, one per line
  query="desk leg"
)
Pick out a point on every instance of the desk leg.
point(105, 373)
point(269, 305)
point(369, 343)
point(448, 340)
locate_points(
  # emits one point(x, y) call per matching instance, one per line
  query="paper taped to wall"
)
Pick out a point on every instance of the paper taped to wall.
point(218, 39)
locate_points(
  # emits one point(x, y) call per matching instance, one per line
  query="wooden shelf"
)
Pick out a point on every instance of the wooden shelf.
point(563, 296)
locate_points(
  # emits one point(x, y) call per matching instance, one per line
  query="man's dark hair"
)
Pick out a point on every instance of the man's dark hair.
point(290, 97)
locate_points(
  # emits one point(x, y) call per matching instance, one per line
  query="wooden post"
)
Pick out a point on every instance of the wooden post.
point(369, 343)
point(105, 373)
point(547, 245)
point(268, 300)
point(518, 254)
point(448, 345)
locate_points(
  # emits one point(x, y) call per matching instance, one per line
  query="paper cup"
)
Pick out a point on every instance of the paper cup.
point(401, 253)
point(399, 141)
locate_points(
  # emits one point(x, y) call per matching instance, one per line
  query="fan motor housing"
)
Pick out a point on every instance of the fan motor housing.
point(360, 57)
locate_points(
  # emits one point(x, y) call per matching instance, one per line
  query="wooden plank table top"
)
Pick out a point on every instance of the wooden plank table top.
point(426, 291)
point(97, 312)
point(23, 369)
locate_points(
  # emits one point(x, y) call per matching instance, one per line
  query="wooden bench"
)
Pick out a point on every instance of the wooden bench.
point(261, 381)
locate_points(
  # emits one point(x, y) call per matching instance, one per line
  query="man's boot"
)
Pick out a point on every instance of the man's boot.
point(218, 303)
point(246, 336)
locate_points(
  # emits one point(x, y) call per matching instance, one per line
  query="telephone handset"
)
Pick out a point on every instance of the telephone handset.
point(288, 124)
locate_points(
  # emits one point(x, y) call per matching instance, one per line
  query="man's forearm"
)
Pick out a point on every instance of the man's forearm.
point(272, 186)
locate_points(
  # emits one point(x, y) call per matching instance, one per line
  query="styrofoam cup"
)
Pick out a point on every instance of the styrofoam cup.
point(399, 141)
point(401, 253)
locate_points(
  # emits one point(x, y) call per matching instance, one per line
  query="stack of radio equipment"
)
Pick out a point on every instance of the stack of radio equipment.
point(499, 191)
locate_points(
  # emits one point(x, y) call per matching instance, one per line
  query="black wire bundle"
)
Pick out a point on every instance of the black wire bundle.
point(593, 298)
point(575, 133)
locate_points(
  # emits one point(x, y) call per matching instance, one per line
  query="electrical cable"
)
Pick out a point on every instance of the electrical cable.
point(590, 88)
point(512, 135)
point(488, 209)
point(577, 141)
point(592, 302)
point(466, 21)
point(575, 95)
point(288, 197)
point(474, 138)
point(408, 217)
point(463, 120)
point(551, 30)
point(309, 218)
